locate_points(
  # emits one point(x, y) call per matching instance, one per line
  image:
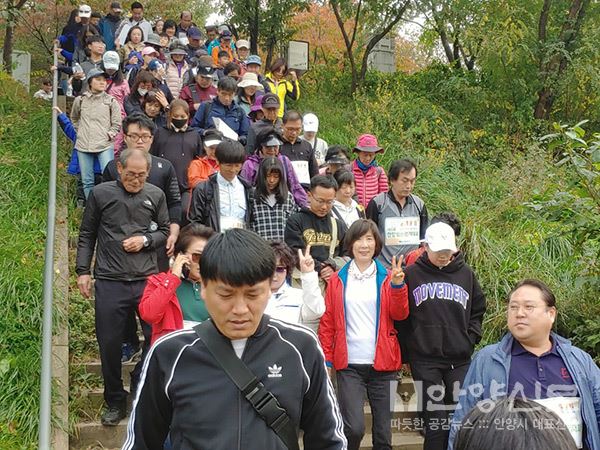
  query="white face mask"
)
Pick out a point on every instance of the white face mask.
point(142, 91)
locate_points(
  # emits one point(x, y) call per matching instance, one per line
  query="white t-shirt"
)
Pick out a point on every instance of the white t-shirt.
point(238, 346)
point(349, 214)
point(361, 314)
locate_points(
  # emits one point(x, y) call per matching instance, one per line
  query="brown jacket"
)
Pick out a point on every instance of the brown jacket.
point(97, 119)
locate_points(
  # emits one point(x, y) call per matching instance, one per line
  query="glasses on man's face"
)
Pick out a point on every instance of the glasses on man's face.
point(513, 308)
point(280, 269)
point(139, 137)
point(320, 201)
point(196, 257)
point(135, 176)
point(293, 129)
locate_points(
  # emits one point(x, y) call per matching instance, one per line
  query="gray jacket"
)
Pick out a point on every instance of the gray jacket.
point(97, 119)
point(384, 207)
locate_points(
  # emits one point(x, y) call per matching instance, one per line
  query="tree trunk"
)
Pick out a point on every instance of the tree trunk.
point(552, 70)
point(8, 48)
point(253, 28)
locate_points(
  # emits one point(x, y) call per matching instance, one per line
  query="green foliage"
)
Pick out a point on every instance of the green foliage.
point(24, 158)
point(469, 164)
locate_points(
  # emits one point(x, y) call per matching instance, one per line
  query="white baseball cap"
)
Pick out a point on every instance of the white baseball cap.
point(440, 236)
point(242, 43)
point(310, 123)
point(85, 11)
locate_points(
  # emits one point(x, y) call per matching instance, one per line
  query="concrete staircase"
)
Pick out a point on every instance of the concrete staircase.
point(91, 435)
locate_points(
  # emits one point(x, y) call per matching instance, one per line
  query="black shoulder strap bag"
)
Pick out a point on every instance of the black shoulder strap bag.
point(262, 400)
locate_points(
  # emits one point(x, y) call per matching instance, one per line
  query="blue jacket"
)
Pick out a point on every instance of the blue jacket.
point(108, 27)
point(233, 115)
point(69, 130)
point(490, 369)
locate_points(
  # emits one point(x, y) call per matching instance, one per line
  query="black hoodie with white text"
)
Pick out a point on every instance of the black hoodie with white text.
point(446, 310)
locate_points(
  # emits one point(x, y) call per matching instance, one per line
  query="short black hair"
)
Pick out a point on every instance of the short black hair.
point(222, 53)
point(136, 5)
point(291, 115)
point(230, 152)
point(94, 38)
point(448, 218)
point(485, 430)
point(190, 232)
point(344, 176)
point(324, 181)
point(357, 230)
point(227, 84)
point(400, 166)
point(268, 165)
point(231, 67)
point(169, 23)
point(547, 294)
point(142, 121)
point(210, 28)
point(286, 256)
point(96, 15)
point(335, 150)
point(237, 257)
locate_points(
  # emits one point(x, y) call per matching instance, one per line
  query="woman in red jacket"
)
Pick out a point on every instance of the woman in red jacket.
point(358, 336)
point(171, 300)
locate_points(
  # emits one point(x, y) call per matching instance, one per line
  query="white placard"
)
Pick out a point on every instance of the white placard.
point(301, 169)
point(298, 55)
point(402, 230)
point(221, 126)
point(569, 410)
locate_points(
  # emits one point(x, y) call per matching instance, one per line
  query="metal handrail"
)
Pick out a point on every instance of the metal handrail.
point(46, 372)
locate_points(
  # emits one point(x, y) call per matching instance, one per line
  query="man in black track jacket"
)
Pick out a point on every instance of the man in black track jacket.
point(186, 393)
point(125, 221)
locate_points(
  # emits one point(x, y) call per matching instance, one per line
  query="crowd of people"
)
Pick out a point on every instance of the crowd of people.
point(266, 265)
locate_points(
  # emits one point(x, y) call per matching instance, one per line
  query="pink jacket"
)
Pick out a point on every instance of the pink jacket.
point(369, 183)
point(174, 78)
point(119, 92)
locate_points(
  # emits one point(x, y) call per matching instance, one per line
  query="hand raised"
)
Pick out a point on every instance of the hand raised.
point(397, 272)
point(305, 261)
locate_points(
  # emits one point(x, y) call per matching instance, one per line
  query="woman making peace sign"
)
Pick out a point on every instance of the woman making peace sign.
point(357, 333)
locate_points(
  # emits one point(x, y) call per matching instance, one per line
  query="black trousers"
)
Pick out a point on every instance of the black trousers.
point(115, 301)
point(438, 385)
point(352, 384)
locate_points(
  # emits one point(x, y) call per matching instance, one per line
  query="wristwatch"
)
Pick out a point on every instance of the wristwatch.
point(146, 241)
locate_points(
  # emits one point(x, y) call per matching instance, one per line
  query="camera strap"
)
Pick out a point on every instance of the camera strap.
point(263, 401)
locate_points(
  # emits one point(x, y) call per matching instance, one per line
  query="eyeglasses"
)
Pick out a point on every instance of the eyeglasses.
point(196, 257)
point(137, 176)
point(320, 201)
point(293, 129)
point(280, 269)
point(140, 137)
point(514, 308)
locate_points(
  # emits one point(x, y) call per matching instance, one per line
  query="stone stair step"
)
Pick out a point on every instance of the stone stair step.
point(95, 368)
point(94, 435)
point(400, 441)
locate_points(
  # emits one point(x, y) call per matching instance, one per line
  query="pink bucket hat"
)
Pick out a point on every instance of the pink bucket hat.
point(368, 143)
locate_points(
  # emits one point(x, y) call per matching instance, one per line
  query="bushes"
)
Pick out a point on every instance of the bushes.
point(24, 157)
point(469, 164)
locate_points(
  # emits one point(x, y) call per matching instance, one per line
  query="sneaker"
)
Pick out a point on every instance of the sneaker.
point(129, 353)
point(113, 415)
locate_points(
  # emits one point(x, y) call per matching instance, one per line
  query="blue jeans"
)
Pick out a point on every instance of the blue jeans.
point(86, 166)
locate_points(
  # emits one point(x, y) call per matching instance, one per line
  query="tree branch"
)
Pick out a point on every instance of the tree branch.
point(543, 22)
